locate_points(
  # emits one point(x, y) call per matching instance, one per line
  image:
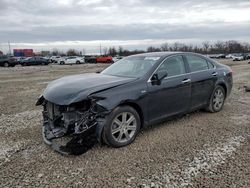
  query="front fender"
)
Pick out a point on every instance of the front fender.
point(100, 124)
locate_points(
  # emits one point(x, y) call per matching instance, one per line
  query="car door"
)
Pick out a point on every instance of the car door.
point(42, 61)
point(31, 61)
point(203, 76)
point(172, 95)
point(74, 59)
point(69, 60)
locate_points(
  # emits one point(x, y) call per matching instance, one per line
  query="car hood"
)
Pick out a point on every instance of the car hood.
point(71, 89)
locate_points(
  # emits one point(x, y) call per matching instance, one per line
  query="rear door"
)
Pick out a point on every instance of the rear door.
point(203, 76)
point(172, 96)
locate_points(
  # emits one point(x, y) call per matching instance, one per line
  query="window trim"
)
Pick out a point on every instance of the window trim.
point(175, 56)
point(149, 80)
point(186, 64)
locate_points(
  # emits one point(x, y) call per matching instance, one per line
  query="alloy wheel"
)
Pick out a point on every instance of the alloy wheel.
point(124, 127)
point(218, 99)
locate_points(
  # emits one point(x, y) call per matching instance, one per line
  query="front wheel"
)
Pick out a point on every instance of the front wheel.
point(6, 64)
point(217, 99)
point(122, 126)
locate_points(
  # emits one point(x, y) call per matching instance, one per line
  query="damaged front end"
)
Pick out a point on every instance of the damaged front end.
point(75, 123)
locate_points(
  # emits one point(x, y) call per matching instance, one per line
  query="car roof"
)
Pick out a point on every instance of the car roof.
point(163, 54)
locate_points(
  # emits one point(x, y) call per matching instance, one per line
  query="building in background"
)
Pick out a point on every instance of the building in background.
point(45, 53)
point(23, 52)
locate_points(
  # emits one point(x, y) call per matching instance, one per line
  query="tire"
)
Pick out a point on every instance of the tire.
point(62, 63)
point(217, 100)
point(6, 64)
point(78, 62)
point(121, 127)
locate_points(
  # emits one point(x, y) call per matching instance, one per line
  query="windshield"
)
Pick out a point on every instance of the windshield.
point(135, 67)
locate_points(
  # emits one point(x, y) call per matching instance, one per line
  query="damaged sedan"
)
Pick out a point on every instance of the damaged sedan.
point(135, 92)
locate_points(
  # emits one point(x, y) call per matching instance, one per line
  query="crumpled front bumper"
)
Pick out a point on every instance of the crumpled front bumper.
point(72, 132)
point(71, 144)
point(72, 129)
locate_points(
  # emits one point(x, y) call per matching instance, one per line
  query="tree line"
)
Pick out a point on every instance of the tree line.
point(219, 47)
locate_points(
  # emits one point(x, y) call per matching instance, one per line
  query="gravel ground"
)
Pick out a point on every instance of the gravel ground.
point(198, 150)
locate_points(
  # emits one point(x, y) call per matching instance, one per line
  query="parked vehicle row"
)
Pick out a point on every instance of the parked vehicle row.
point(85, 59)
point(8, 61)
point(234, 56)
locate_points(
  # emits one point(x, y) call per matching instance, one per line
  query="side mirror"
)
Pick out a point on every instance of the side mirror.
point(157, 78)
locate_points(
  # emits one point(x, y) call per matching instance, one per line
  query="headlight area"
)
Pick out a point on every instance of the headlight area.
point(76, 121)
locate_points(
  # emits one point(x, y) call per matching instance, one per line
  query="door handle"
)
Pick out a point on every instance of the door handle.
point(185, 81)
point(214, 73)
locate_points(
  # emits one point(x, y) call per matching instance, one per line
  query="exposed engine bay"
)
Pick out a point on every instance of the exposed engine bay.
point(77, 123)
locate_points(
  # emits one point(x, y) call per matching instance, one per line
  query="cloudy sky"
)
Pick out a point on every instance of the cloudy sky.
point(62, 24)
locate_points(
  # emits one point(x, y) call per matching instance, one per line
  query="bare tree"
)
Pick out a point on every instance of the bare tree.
point(55, 51)
point(153, 49)
point(206, 45)
point(105, 51)
point(120, 51)
point(165, 47)
point(72, 52)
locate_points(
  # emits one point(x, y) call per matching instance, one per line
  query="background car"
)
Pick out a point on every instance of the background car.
point(246, 56)
point(7, 61)
point(34, 61)
point(71, 60)
point(117, 58)
point(19, 59)
point(238, 57)
point(104, 59)
point(90, 59)
point(55, 59)
point(229, 56)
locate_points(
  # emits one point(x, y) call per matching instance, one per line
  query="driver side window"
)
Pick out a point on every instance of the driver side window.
point(172, 66)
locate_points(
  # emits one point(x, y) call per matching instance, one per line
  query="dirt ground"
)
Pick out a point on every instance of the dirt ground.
point(198, 150)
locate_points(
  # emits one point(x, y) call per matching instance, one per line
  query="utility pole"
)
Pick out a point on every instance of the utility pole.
point(9, 48)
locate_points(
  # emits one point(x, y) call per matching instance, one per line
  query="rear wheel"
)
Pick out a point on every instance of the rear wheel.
point(122, 126)
point(78, 62)
point(217, 99)
point(62, 63)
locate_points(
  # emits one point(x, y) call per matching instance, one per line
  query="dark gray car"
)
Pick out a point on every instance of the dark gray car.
point(134, 92)
point(6, 61)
